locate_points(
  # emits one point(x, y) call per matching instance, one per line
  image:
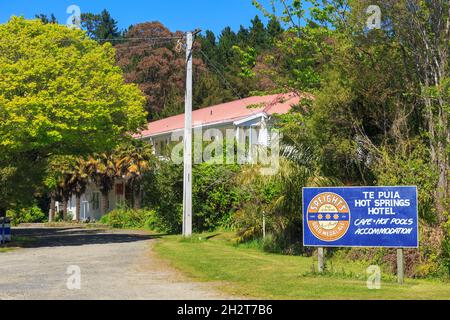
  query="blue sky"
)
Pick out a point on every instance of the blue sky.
point(175, 14)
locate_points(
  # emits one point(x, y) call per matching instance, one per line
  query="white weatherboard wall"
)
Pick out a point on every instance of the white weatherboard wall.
point(91, 200)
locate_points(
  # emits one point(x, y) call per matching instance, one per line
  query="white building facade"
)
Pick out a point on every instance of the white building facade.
point(249, 121)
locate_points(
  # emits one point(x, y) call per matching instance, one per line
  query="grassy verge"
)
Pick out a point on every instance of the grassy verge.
point(16, 243)
point(248, 272)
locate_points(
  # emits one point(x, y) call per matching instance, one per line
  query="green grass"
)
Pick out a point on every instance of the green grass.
point(248, 272)
point(16, 243)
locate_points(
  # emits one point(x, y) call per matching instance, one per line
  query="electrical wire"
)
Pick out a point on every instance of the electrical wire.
point(221, 75)
point(104, 39)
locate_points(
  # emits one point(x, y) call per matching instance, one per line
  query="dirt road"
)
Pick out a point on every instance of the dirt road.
point(112, 265)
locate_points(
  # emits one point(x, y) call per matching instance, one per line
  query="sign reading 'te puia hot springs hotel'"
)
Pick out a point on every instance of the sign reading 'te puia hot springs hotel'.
point(361, 217)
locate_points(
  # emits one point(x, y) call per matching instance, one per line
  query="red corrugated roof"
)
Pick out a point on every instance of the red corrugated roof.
point(225, 113)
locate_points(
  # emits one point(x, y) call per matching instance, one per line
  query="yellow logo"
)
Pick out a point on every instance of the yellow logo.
point(328, 217)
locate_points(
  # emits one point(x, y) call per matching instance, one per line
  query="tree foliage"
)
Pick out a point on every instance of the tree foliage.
point(380, 110)
point(60, 93)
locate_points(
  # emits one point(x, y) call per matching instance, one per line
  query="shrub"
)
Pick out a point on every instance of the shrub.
point(214, 196)
point(411, 168)
point(163, 192)
point(278, 199)
point(26, 215)
point(125, 218)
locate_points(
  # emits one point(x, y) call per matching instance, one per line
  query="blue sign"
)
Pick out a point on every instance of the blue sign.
point(6, 231)
point(361, 217)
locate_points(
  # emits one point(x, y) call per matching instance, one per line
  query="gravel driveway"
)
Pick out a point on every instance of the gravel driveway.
point(112, 264)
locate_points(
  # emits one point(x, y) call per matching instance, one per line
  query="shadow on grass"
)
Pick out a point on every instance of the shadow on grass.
point(37, 237)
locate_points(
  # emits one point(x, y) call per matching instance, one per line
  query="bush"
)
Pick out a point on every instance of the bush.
point(163, 192)
point(26, 215)
point(278, 199)
point(125, 218)
point(214, 196)
point(411, 168)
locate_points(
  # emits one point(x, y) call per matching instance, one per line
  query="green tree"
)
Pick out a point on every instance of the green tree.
point(45, 19)
point(59, 172)
point(158, 67)
point(258, 37)
point(422, 29)
point(60, 93)
point(227, 40)
point(78, 179)
point(274, 28)
point(104, 169)
point(303, 49)
point(209, 46)
point(243, 36)
point(135, 159)
point(100, 26)
point(20, 176)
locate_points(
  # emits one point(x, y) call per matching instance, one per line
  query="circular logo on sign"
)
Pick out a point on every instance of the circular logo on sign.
point(328, 217)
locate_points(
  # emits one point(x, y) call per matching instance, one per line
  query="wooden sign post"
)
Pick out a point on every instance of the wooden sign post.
point(400, 266)
point(321, 259)
point(361, 217)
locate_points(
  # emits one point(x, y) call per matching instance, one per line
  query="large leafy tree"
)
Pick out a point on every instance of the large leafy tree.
point(153, 58)
point(60, 92)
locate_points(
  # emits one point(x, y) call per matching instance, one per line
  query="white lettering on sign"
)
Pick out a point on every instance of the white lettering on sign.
point(381, 207)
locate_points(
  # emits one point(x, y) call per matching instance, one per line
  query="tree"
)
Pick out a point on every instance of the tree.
point(104, 170)
point(100, 26)
point(45, 19)
point(135, 159)
point(208, 45)
point(57, 180)
point(20, 176)
point(258, 37)
point(60, 93)
point(303, 48)
point(243, 36)
point(150, 59)
point(274, 28)
point(422, 28)
point(379, 115)
point(227, 40)
point(78, 179)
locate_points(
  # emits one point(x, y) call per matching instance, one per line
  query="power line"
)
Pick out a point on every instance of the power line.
point(100, 40)
point(143, 45)
point(136, 43)
point(142, 38)
point(221, 75)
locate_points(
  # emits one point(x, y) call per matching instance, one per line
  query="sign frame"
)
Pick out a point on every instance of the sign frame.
point(304, 210)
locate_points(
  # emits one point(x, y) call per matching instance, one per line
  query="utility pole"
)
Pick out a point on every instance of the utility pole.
point(187, 180)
